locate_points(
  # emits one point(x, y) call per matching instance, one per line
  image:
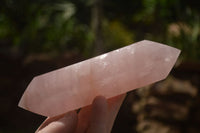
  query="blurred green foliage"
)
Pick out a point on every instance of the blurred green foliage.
point(65, 25)
point(116, 35)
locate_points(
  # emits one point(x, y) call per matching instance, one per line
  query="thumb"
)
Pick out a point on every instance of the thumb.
point(59, 124)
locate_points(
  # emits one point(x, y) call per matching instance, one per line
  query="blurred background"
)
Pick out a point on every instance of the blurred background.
point(37, 36)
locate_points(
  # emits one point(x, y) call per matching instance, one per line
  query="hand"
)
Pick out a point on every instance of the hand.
point(96, 118)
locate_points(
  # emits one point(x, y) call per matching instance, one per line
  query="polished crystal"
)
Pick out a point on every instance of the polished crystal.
point(110, 74)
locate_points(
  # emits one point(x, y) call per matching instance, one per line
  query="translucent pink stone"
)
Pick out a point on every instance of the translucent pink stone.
point(110, 74)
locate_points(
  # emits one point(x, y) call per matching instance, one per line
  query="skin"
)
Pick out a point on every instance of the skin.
point(96, 118)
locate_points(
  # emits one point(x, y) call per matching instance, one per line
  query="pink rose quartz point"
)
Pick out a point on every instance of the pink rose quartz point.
point(110, 74)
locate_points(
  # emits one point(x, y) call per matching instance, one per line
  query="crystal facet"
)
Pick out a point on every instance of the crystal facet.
point(110, 74)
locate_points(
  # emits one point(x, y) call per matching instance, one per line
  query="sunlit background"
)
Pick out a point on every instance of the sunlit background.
point(37, 36)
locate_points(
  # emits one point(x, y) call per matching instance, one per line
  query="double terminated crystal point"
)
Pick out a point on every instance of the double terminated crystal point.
point(110, 74)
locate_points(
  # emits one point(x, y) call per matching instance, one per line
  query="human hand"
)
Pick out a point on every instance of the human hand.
point(96, 118)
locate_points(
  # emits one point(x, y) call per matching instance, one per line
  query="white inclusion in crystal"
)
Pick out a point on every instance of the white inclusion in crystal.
point(105, 64)
point(77, 67)
point(167, 59)
point(117, 50)
point(103, 56)
point(132, 51)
